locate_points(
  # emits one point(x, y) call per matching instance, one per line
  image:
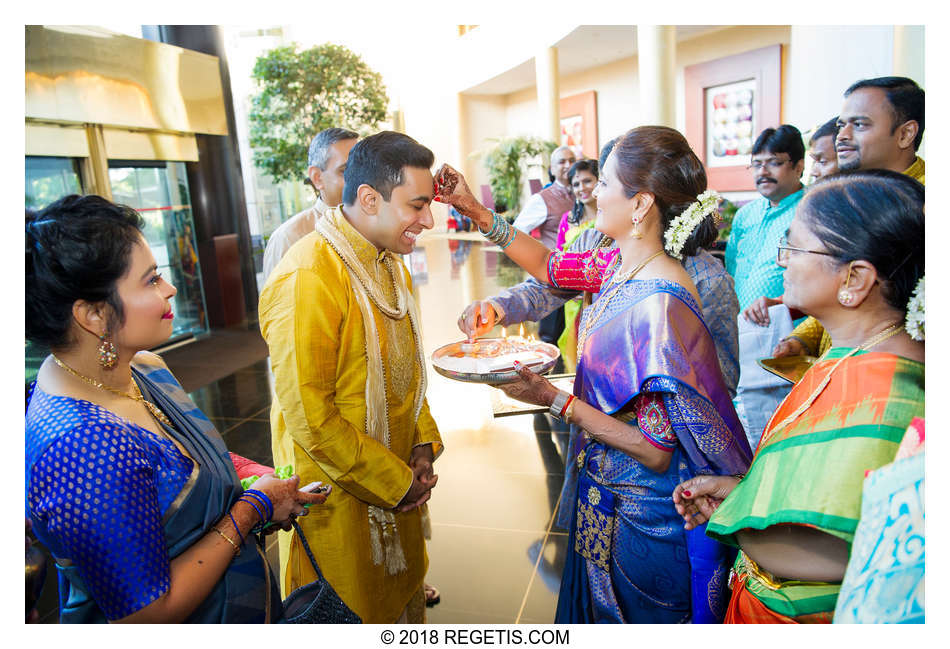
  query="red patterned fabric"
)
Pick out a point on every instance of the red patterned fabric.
point(654, 422)
point(581, 271)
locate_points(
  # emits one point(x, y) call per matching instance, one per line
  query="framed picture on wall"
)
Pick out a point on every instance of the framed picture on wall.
point(729, 101)
point(579, 124)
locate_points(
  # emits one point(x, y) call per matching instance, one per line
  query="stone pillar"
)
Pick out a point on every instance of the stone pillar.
point(549, 100)
point(656, 58)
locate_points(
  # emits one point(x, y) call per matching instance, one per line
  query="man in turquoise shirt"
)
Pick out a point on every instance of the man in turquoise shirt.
point(778, 159)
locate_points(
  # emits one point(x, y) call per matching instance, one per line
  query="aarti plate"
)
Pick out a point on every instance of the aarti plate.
point(550, 353)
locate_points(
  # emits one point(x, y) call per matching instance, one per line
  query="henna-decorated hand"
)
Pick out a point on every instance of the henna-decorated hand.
point(532, 388)
point(451, 188)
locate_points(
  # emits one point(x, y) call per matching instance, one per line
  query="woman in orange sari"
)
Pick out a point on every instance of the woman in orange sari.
point(853, 257)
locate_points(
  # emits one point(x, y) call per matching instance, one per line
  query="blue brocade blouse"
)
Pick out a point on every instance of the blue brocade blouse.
point(97, 489)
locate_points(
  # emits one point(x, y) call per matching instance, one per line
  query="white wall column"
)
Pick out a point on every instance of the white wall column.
point(549, 101)
point(656, 59)
point(909, 52)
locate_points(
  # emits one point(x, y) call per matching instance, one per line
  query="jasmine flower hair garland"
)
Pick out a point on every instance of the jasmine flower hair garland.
point(683, 225)
point(915, 313)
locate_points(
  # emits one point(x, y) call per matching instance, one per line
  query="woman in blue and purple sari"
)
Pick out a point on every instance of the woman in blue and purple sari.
point(649, 403)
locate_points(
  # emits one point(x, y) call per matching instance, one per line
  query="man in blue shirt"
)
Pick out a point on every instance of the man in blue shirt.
point(778, 159)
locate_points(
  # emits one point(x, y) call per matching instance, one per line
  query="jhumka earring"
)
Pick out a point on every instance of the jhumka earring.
point(107, 355)
point(636, 234)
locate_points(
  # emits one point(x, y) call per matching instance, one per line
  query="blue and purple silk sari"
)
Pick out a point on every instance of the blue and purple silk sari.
point(629, 558)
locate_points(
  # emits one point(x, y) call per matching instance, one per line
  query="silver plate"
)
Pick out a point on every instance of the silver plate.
point(494, 378)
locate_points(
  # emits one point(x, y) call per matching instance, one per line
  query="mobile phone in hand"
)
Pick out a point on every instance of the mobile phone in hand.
point(317, 488)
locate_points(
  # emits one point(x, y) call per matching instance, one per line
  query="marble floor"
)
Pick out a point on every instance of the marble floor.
point(495, 553)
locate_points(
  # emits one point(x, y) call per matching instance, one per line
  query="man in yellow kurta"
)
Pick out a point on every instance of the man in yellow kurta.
point(880, 127)
point(341, 324)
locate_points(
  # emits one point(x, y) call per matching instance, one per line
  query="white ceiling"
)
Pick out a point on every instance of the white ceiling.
point(586, 47)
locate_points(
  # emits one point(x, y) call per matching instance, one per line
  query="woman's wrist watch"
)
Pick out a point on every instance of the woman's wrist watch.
point(557, 407)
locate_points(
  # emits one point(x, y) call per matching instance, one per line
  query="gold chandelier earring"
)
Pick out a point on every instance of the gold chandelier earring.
point(106, 354)
point(635, 233)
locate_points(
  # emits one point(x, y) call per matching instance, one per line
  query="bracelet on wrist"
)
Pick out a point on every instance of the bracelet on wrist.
point(569, 409)
point(236, 528)
point(265, 502)
point(227, 538)
point(559, 403)
point(257, 508)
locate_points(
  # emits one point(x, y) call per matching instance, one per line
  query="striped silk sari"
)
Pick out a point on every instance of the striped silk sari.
point(810, 472)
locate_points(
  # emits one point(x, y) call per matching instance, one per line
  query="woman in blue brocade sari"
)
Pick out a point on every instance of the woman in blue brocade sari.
point(128, 484)
point(649, 399)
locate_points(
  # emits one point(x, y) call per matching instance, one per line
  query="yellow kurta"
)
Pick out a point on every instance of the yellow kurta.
point(315, 331)
point(810, 332)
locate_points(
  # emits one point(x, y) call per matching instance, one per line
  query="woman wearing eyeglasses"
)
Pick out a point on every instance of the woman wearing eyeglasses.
point(853, 259)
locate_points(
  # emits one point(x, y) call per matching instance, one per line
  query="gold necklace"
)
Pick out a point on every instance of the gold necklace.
point(136, 394)
point(877, 339)
point(582, 339)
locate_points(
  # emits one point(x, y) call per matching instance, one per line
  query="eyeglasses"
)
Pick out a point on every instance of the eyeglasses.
point(781, 254)
point(771, 163)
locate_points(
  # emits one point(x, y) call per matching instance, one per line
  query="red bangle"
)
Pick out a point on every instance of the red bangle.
point(566, 404)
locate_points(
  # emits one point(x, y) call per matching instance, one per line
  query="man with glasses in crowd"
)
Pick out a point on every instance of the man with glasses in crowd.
point(778, 160)
point(821, 150)
point(881, 127)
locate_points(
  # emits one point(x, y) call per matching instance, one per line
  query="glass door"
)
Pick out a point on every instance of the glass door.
point(159, 192)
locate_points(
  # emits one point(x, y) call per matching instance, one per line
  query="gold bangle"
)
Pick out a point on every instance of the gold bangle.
point(227, 538)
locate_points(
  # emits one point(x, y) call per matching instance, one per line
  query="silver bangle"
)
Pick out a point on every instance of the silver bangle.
point(560, 399)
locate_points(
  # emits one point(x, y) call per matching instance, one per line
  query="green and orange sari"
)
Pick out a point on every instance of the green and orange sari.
point(811, 471)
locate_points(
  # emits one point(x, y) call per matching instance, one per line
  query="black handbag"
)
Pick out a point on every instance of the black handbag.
point(317, 602)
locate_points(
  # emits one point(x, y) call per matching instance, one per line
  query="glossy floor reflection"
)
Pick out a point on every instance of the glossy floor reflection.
point(494, 553)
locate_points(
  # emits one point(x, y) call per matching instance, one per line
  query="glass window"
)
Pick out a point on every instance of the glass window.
point(47, 180)
point(159, 192)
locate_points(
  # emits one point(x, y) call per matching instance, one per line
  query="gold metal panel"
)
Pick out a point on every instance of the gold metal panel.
point(97, 180)
point(123, 144)
point(53, 140)
point(91, 75)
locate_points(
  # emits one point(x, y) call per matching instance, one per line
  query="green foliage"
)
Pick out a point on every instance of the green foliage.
point(300, 93)
point(505, 163)
point(727, 210)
